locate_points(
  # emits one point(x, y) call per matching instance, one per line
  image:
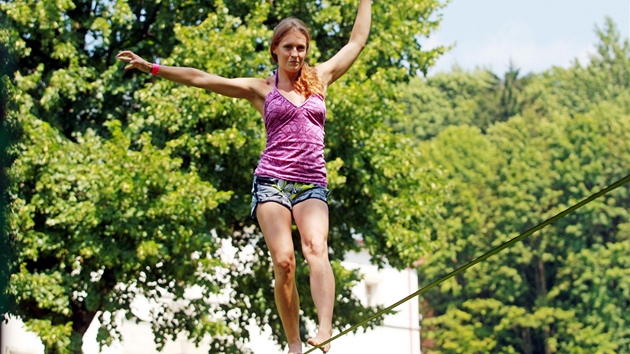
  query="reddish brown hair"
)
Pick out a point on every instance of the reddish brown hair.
point(308, 82)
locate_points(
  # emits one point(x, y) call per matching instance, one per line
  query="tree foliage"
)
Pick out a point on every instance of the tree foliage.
point(127, 186)
point(8, 135)
point(480, 98)
point(565, 288)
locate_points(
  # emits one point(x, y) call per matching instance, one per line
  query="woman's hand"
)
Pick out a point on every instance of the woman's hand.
point(135, 61)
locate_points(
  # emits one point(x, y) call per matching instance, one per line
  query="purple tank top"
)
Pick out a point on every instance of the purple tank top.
point(295, 139)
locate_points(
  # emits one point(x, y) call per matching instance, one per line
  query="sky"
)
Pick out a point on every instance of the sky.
point(534, 34)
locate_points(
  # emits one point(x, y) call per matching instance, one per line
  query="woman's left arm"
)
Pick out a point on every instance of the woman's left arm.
point(335, 67)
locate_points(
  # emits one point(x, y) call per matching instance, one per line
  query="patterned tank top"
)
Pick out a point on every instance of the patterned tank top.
point(295, 139)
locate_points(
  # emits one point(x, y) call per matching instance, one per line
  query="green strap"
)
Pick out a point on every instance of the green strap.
point(483, 257)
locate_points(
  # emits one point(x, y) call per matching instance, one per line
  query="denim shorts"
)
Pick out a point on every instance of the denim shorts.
point(286, 193)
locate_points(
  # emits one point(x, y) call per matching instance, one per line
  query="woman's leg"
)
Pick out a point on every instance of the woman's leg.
point(311, 218)
point(275, 222)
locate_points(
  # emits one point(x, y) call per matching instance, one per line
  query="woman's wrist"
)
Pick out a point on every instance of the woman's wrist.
point(155, 69)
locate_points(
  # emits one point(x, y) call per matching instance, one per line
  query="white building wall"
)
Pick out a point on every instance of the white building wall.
point(399, 333)
point(16, 340)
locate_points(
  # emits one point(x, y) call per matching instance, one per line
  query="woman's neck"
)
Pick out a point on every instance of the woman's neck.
point(287, 77)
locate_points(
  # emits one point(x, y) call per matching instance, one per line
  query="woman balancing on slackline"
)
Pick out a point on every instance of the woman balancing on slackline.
point(290, 180)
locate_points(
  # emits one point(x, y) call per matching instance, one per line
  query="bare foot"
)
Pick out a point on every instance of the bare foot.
point(320, 338)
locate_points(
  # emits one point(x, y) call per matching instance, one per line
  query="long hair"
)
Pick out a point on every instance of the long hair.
point(308, 81)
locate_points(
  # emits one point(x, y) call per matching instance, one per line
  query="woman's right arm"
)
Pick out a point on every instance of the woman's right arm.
point(252, 89)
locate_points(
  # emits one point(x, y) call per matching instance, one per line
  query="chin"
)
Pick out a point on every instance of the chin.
point(293, 69)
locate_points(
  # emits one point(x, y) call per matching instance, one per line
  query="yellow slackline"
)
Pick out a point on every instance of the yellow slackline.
point(482, 258)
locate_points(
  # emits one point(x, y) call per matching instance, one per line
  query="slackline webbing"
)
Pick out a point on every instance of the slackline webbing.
point(482, 258)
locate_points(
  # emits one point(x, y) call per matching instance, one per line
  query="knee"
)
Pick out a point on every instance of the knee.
point(315, 249)
point(285, 263)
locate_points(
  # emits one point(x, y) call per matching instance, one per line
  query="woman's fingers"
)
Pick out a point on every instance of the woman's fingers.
point(127, 56)
point(135, 62)
point(126, 53)
point(127, 59)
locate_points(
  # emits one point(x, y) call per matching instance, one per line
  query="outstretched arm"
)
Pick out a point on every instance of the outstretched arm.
point(336, 66)
point(251, 89)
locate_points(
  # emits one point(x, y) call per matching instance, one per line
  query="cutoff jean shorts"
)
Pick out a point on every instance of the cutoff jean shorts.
point(286, 193)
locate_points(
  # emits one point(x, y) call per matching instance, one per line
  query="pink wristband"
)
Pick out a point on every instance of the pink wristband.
point(155, 68)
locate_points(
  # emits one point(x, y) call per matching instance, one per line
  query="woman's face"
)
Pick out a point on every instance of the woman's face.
point(291, 51)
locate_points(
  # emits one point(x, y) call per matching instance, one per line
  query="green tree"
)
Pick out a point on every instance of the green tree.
point(502, 99)
point(523, 299)
point(604, 77)
point(8, 135)
point(127, 186)
point(562, 289)
point(441, 100)
point(478, 98)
